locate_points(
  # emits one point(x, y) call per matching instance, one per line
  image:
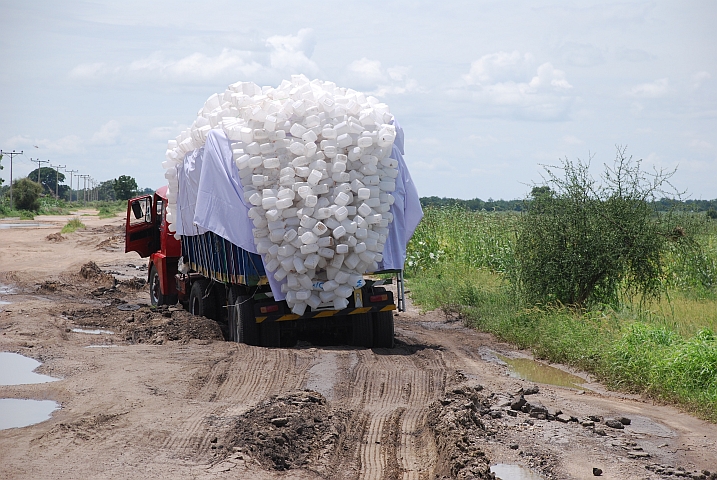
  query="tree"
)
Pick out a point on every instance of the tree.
point(1, 167)
point(106, 191)
point(50, 179)
point(582, 243)
point(26, 194)
point(125, 187)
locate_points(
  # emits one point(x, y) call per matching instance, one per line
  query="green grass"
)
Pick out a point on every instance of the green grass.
point(72, 225)
point(111, 209)
point(665, 349)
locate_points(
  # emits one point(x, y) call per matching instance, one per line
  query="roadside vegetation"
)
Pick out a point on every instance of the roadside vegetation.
point(72, 225)
point(588, 274)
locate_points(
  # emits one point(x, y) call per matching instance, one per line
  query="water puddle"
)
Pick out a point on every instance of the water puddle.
point(15, 412)
point(3, 302)
point(93, 332)
point(533, 371)
point(25, 225)
point(6, 290)
point(17, 369)
point(505, 471)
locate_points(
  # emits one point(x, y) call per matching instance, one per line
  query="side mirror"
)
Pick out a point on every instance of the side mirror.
point(137, 210)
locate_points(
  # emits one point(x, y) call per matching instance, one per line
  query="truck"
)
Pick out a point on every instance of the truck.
point(212, 277)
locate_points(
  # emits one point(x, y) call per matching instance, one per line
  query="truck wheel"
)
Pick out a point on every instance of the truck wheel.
point(383, 329)
point(202, 299)
point(241, 314)
point(270, 334)
point(156, 297)
point(361, 330)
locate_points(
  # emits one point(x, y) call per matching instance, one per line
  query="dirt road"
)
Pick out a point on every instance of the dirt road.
point(159, 394)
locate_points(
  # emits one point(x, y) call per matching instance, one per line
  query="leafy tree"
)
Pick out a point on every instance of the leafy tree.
point(26, 194)
point(50, 178)
point(582, 243)
point(106, 191)
point(1, 167)
point(125, 187)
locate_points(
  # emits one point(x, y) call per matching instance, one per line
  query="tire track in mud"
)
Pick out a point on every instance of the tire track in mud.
point(394, 391)
point(232, 385)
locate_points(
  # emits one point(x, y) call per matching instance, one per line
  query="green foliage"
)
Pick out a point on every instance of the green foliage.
point(50, 179)
point(125, 187)
point(106, 191)
point(456, 235)
point(2, 180)
point(582, 243)
point(26, 194)
point(111, 209)
point(72, 225)
point(464, 280)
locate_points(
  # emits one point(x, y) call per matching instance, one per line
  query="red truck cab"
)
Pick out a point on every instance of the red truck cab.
point(147, 233)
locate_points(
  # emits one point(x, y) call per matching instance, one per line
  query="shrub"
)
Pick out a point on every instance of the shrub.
point(582, 243)
point(26, 194)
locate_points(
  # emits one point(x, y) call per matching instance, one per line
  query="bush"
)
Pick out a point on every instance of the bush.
point(582, 243)
point(26, 195)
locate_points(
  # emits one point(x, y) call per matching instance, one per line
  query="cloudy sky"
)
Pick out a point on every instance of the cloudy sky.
point(487, 91)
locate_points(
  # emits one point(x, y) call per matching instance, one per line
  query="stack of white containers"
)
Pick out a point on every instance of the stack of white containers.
point(314, 163)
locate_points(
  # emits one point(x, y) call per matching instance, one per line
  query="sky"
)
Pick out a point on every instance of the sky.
point(488, 92)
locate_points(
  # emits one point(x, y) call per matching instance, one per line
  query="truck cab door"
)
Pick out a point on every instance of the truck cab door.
point(141, 230)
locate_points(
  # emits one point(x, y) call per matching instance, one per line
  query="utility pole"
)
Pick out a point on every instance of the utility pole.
point(57, 179)
point(84, 187)
point(12, 154)
point(38, 168)
point(71, 172)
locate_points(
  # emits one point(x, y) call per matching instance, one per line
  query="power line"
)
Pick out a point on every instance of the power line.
point(71, 172)
point(38, 168)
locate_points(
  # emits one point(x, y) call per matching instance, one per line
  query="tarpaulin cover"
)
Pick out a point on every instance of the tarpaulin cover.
point(211, 198)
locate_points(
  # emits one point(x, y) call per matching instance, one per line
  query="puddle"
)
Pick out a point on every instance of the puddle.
point(3, 302)
point(6, 290)
point(15, 413)
point(17, 369)
point(25, 225)
point(505, 471)
point(93, 332)
point(533, 371)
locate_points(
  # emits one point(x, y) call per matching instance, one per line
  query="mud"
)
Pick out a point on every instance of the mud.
point(171, 399)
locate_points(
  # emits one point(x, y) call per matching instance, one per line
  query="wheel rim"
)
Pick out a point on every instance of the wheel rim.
point(155, 290)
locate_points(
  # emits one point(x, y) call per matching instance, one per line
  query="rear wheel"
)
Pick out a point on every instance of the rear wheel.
point(202, 299)
point(242, 312)
point(383, 329)
point(361, 330)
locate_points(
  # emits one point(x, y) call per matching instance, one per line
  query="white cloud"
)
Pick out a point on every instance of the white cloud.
point(508, 84)
point(69, 144)
point(166, 132)
point(699, 78)
point(655, 89)
point(700, 145)
point(435, 165)
point(279, 57)
point(107, 134)
point(373, 78)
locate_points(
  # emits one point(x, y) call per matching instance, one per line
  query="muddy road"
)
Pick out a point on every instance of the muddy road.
point(158, 394)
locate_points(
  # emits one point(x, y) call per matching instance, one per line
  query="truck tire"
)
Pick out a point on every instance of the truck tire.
point(202, 301)
point(241, 316)
point(383, 329)
point(361, 330)
point(156, 297)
